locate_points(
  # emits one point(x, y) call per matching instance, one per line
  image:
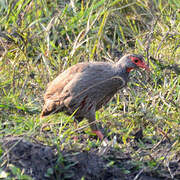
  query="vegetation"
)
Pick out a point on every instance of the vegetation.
point(40, 38)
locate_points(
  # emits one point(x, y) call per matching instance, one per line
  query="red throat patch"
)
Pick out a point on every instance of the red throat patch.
point(129, 69)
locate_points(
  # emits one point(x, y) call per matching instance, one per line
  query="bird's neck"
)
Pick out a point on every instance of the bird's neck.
point(122, 69)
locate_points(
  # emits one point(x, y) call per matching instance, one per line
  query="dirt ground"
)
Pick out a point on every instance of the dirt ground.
point(43, 163)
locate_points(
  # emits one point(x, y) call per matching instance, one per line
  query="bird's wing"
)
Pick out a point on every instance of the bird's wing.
point(97, 79)
point(94, 84)
point(57, 90)
point(56, 87)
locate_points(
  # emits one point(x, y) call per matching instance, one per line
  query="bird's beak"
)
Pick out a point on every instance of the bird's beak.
point(144, 66)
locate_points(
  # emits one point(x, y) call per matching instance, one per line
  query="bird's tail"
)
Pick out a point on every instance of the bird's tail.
point(51, 107)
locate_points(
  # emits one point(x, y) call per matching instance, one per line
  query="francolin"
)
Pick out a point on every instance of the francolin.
point(85, 87)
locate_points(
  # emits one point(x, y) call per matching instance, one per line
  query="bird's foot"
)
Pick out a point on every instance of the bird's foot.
point(105, 142)
point(104, 148)
point(107, 145)
point(99, 134)
point(75, 138)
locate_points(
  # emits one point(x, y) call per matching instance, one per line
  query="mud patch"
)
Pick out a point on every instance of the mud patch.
point(34, 159)
point(44, 162)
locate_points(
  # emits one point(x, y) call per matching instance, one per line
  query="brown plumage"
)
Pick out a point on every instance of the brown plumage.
point(85, 87)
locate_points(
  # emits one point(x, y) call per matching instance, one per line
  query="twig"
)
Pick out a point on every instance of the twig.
point(173, 18)
point(138, 175)
point(162, 139)
point(165, 156)
point(170, 172)
point(150, 37)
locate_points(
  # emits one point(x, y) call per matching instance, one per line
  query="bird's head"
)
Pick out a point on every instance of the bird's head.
point(133, 61)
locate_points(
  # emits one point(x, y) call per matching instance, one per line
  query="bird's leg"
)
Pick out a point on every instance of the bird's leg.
point(105, 144)
point(99, 134)
point(75, 137)
point(91, 118)
point(95, 129)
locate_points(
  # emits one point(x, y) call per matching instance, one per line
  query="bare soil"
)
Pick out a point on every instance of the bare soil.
point(43, 163)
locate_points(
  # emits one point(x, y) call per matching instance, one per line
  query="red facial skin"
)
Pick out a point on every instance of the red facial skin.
point(138, 63)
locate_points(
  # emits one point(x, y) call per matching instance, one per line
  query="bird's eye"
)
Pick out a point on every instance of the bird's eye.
point(136, 60)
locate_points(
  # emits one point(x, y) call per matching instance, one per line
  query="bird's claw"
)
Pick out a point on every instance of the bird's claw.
point(106, 145)
point(104, 148)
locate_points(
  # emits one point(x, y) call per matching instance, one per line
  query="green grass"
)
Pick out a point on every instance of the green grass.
point(39, 39)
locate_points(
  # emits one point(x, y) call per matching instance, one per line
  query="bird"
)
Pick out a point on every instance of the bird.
point(85, 87)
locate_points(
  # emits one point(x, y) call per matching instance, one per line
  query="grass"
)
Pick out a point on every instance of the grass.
point(39, 39)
